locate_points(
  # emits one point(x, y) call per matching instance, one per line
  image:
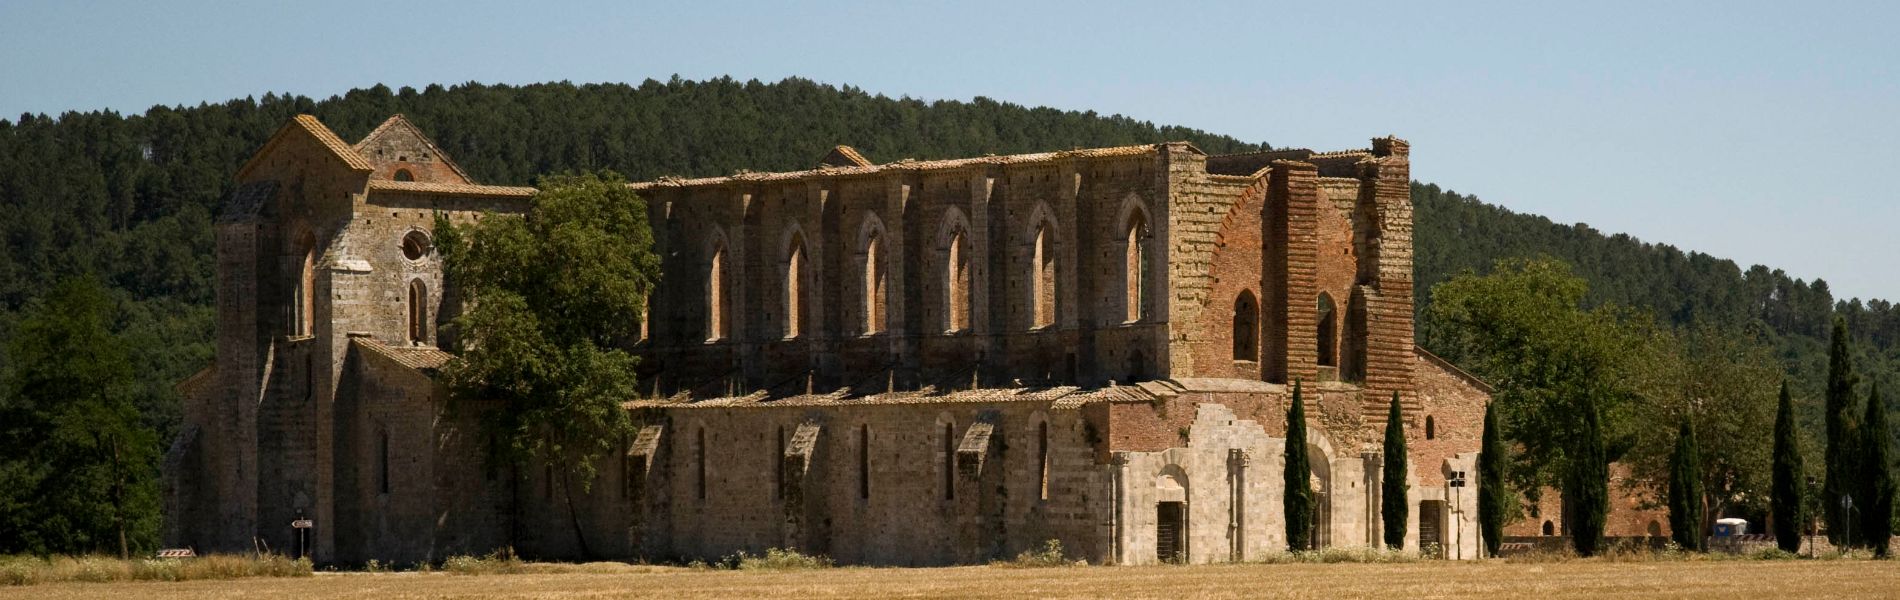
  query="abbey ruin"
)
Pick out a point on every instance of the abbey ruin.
point(910, 363)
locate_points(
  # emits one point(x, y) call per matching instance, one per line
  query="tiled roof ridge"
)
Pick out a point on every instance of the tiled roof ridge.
point(459, 189)
point(420, 358)
point(908, 164)
point(398, 120)
point(328, 139)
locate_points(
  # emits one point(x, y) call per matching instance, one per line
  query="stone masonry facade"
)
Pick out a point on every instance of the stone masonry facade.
point(909, 363)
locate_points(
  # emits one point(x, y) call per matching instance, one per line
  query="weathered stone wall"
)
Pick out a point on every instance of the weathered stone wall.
point(994, 210)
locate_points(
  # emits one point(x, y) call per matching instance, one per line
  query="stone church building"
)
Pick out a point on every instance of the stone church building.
point(909, 363)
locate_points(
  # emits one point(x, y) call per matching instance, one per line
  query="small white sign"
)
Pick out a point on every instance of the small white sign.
point(302, 524)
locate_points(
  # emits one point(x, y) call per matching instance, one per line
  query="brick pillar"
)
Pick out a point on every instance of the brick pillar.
point(1291, 287)
point(1389, 341)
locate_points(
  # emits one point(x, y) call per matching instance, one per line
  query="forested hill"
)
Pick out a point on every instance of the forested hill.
point(130, 197)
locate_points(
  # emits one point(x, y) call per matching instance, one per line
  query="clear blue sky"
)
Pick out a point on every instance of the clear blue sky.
point(1761, 132)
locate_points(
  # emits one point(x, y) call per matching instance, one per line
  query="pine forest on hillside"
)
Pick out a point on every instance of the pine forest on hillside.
point(130, 199)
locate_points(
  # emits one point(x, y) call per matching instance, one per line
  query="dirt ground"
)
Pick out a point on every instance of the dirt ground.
point(1544, 581)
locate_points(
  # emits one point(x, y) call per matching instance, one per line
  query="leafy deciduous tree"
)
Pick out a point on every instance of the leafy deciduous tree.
point(550, 293)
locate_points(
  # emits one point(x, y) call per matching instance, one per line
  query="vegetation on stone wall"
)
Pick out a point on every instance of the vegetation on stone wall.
point(130, 197)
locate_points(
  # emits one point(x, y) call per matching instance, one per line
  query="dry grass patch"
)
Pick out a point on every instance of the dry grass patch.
point(30, 570)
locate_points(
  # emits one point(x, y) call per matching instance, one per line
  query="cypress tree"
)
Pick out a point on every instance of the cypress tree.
point(1788, 491)
point(1685, 490)
point(1876, 497)
point(1840, 435)
point(1393, 500)
point(1493, 499)
point(1586, 492)
point(1299, 475)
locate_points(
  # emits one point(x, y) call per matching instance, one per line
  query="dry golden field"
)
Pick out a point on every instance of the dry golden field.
point(1431, 579)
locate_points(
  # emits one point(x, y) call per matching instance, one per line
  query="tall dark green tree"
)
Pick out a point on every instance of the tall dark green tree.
point(1393, 500)
point(1494, 498)
point(1685, 490)
point(1586, 491)
point(1841, 435)
point(551, 291)
point(1298, 499)
point(1877, 488)
point(78, 475)
point(1790, 490)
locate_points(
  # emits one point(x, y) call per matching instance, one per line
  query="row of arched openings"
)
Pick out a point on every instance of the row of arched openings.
point(1246, 329)
point(953, 272)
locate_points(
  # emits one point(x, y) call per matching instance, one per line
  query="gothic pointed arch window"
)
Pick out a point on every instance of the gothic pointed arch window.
point(876, 315)
point(957, 284)
point(1246, 327)
point(794, 286)
point(1135, 266)
point(954, 276)
point(716, 292)
point(1328, 340)
point(303, 293)
point(418, 312)
point(1042, 277)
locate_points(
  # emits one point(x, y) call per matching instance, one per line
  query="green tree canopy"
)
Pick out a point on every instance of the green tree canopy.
point(79, 475)
point(1790, 489)
point(551, 295)
point(1393, 499)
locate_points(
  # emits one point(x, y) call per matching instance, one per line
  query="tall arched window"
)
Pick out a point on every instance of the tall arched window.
point(949, 461)
point(1135, 269)
point(1246, 327)
point(956, 284)
point(1042, 278)
point(382, 462)
point(303, 294)
point(874, 298)
point(699, 462)
point(864, 462)
point(1042, 460)
point(716, 294)
point(418, 312)
point(794, 294)
point(1328, 332)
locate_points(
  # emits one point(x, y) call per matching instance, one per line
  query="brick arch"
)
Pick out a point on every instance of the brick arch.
point(1236, 264)
point(954, 272)
point(1044, 268)
point(872, 256)
point(303, 275)
point(717, 253)
point(1134, 232)
point(795, 277)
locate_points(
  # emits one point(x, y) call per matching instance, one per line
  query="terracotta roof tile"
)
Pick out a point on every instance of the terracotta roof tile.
point(454, 189)
point(311, 126)
point(905, 165)
point(1060, 397)
point(420, 358)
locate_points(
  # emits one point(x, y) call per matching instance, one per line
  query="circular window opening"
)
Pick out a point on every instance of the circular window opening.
point(415, 245)
point(404, 175)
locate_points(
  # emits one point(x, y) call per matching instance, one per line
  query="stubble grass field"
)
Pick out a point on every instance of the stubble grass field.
point(1418, 580)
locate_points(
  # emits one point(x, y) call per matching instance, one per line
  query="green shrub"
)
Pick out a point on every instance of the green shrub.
point(1049, 555)
point(779, 559)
